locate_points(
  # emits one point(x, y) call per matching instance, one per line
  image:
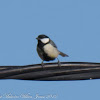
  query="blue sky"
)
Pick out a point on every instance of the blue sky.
point(74, 25)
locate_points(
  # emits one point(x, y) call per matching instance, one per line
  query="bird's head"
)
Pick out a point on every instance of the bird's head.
point(43, 38)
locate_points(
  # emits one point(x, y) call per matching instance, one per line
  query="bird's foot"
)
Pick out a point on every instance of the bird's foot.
point(42, 64)
point(59, 64)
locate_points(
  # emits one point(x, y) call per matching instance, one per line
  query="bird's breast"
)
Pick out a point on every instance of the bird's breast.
point(51, 51)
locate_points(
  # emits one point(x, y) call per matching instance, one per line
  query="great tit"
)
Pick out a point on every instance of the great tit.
point(47, 50)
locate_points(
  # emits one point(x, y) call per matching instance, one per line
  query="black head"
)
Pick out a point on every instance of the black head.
point(43, 38)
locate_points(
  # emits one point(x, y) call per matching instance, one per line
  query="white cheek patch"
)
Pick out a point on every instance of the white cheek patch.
point(45, 40)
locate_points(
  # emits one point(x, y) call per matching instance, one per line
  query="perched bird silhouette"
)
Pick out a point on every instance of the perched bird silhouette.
point(47, 50)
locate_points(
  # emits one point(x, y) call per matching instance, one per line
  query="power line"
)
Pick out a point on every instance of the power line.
point(51, 71)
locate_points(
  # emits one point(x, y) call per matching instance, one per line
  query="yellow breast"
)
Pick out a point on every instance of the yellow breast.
point(51, 51)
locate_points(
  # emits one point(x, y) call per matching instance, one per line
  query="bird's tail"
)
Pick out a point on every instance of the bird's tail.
point(63, 54)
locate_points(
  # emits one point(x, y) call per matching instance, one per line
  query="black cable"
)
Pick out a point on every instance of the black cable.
point(51, 71)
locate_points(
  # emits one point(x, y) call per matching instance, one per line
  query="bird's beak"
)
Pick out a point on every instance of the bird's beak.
point(37, 38)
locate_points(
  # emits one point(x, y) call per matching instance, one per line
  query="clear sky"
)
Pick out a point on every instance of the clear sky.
point(74, 25)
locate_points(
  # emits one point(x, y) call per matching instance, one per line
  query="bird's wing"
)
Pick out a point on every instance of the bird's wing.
point(40, 52)
point(52, 43)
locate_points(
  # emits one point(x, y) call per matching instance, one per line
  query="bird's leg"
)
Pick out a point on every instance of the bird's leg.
point(42, 64)
point(59, 64)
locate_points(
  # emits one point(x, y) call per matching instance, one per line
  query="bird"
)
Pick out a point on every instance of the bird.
point(47, 49)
